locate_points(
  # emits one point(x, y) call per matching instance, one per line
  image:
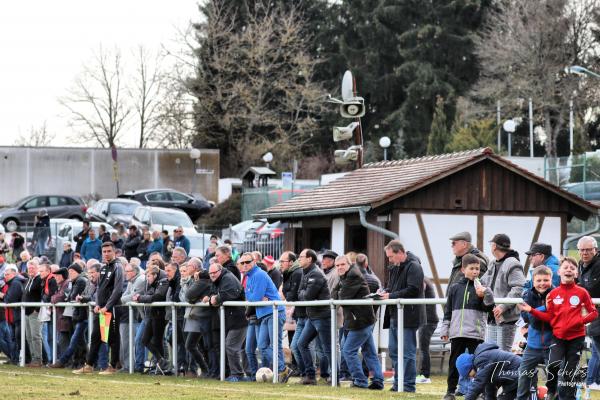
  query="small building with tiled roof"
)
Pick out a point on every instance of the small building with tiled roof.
point(423, 201)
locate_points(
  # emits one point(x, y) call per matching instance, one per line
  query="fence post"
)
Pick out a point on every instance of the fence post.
point(174, 327)
point(333, 355)
point(22, 356)
point(400, 361)
point(53, 333)
point(90, 323)
point(275, 344)
point(131, 341)
point(222, 344)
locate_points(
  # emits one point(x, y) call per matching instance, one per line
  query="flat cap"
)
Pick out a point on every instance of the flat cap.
point(466, 236)
point(541, 248)
point(502, 241)
point(330, 254)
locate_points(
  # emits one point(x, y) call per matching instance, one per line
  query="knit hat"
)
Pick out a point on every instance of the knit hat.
point(268, 260)
point(76, 267)
point(464, 364)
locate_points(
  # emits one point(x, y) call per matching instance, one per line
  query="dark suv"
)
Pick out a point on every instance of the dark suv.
point(24, 211)
point(194, 206)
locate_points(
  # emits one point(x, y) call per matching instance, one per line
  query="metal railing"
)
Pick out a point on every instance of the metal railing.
point(333, 304)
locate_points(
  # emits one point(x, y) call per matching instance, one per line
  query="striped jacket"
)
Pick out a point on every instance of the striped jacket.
point(465, 315)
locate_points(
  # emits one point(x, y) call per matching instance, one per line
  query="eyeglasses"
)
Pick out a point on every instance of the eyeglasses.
point(246, 262)
point(590, 250)
point(177, 231)
point(214, 272)
point(284, 261)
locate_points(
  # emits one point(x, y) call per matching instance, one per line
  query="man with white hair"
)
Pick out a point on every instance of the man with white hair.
point(589, 278)
point(136, 283)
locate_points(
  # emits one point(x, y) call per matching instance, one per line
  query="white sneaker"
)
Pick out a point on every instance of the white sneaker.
point(422, 379)
point(594, 386)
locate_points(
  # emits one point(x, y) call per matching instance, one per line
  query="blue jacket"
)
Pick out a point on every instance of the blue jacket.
point(258, 286)
point(494, 367)
point(552, 263)
point(92, 249)
point(539, 334)
point(183, 242)
point(156, 245)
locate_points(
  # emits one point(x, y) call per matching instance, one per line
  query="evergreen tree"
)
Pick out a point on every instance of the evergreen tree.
point(438, 135)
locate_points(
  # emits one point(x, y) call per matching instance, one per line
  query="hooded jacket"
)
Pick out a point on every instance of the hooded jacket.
point(258, 286)
point(465, 315)
point(456, 273)
point(550, 262)
point(228, 288)
point(494, 368)
point(314, 287)
point(173, 295)
point(504, 278)
point(78, 288)
point(155, 292)
point(353, 286)
point(406, 282)
point(110, 285)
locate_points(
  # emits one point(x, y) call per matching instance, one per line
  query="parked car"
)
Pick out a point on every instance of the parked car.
point(24, 211)
point(193, 205)
point(68, 230)
point(251, 235)
point(159, 218)
point(589, 190)
point(270, 239)
point(113, 211)
point(237, 232)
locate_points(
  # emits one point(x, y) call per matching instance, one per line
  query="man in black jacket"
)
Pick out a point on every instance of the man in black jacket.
point(313, 287)
point(82, 236)
point(108, 295)
point(32, 292)
point(405, 282)
point(292, 277)
point(226, 287)
point(131, 244)
point(12, 293)
point(358, 323)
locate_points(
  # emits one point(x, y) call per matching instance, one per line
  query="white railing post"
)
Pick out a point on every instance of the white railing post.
point(400, 361)
point(54, 333)
point(275, 346)
point(90, 324)
point(174, 327)
point(333, 355)
point(222, 344)
point(131, 338)
point(22, 352)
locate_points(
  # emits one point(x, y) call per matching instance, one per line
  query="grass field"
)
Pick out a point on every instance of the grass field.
point(21, 383)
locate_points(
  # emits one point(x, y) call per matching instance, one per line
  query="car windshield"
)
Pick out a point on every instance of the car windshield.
point(122, 208)
point(173, 219)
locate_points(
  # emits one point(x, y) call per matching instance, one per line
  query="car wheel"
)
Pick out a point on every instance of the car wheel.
point(11, 224)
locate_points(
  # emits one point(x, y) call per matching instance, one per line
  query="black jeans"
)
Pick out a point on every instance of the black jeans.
point(563, 363)
point(425, 332)
point(457, 347)
point(114, 341)
point(153, 336)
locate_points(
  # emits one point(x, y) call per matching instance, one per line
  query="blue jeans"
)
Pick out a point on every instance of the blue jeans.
point(362, 338)
point(300, 322)
point(47, 340)
point(265, 340)
point(528, 371)
point(312, 329)
point(344, 371)
point(7, 345)
point(251, 343)
point(77, 339)
point(141, 353)
point(323, 358)
point(410, 355)
point(593, 372)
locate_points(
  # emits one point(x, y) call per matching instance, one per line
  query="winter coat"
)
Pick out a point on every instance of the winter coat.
point(465, 314)
point(156, 246)
point(80, 238)
point(231, 267)
point(135, 286)
point(258, 286)
point(406, 282)
point(110, 285)
point(589, 278)
point(292, 278)
point(32, 293)
point(14, 294)
point(66, 259)
point(196, 291)
point(504, 278)
point(353, 286)
point(550, 262)
point(275, 275)
point(430, 309)
point(314, 287)
point(539, 333)
point(494, 368)
point(78, 287)
point(143, 250)
point(91, 249)
point(173, 295)
point(456, 274)
point(228, 288)
point(63, 324)
point(130, 247)
point(155, 292)
point(184, 242)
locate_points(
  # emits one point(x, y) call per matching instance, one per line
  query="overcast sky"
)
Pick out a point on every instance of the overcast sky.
point(45, 43)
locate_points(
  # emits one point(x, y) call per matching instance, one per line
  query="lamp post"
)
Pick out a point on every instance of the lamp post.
point(267, 158)
point(578, 70)
point(385, 142)
point(195, 156)
point(510, 126)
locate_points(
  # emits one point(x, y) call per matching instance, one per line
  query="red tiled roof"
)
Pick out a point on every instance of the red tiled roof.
point(377, 183)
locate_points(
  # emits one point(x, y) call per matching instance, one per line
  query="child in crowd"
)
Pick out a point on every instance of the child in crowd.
point(492, 369)
point(539, 334)
point(565, 307)
point(465, 319)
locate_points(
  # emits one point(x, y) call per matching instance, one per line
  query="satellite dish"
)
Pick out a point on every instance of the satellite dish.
point(347, 86)
point(509, 126)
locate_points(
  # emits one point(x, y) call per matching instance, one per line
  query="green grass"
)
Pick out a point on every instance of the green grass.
point(46, 384)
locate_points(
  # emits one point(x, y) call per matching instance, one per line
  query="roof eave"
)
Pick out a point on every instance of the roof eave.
point(310, 213)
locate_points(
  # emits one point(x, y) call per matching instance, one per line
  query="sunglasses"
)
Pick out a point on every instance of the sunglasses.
point(246, 262)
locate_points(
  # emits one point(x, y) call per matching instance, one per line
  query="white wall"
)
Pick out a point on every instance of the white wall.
point(338, 235)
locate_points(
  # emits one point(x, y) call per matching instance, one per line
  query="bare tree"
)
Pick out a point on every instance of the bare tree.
point(253, 86)
point(523, 52)
point(146, 92)
point(97, 102)
point(36, 137)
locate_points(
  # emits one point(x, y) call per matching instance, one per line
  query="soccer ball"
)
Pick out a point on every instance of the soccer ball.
point(264, 375)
